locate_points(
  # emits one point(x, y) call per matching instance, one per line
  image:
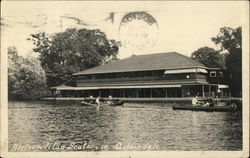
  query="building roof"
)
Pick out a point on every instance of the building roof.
point(158, 61)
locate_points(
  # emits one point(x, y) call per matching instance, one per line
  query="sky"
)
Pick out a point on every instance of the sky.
point(180, 26)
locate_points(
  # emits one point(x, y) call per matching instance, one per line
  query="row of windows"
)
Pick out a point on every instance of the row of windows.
point(126, 93)
point(123, 75)
point(149, 74)
point(185, 75)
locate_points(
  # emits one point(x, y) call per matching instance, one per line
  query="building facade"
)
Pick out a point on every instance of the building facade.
point(161, 75)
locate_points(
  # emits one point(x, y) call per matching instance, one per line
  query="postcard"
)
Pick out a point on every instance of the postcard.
point(125, 79)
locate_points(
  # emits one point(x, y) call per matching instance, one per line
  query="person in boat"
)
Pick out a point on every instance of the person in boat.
point(233, 105)
point(97, 101)
point(195, 101)
point(91, 99)
point(211, 102)
point(109, 99)
point(206, 104)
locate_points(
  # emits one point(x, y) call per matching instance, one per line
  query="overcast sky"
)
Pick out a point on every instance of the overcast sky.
point(180, 26)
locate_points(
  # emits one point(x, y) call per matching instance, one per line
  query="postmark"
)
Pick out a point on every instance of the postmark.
point(138, 30)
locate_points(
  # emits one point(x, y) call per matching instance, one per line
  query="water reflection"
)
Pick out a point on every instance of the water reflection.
point(147, 124)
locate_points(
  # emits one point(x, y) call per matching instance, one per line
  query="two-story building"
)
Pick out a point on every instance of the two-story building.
point(161, 75)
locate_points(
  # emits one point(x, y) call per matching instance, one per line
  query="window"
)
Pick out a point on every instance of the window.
point(140, 74)
point(119, 75)
point(81, 77)
point(132, 74)
point(213, 74)
point(147, 74)
point(221, 74)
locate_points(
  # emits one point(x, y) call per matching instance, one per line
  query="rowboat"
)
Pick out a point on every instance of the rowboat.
point(117, 103)
point(231, 107)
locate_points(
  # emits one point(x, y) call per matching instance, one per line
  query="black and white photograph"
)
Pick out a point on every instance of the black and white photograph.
point(125, 79)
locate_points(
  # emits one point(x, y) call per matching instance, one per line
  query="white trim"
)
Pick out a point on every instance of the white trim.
point(117, 87)
point(223, 86)
point(193, 70)
point(138, 70)
point(221, 74)
point(212, 72)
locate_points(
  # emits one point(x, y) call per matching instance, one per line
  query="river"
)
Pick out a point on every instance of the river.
point(40, 126)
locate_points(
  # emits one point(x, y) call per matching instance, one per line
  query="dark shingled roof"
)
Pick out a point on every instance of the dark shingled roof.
point(158, 61)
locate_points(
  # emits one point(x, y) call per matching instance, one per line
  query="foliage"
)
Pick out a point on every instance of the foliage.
point(26, 78)
point(209, 57)
point(229, 57)
point(73, 50)
point(230, 41)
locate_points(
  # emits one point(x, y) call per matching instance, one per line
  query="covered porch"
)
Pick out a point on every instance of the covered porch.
point(143, 91)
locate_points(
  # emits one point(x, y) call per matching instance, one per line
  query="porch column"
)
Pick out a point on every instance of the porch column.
point(166, 92)
point(209, 90)
point(120, 93)
point(150, 92)
point(203, 93)
point(123, 93)
point(136, 93)
point(217, 91)
point(99, 92)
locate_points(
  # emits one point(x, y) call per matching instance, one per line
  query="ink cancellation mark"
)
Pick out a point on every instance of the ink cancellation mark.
point(138, 30)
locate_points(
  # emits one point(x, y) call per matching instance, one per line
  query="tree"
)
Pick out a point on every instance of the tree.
point(12, 53)
point(209, 57)
point(26, 78)
point(230, 41)
point(73, 50)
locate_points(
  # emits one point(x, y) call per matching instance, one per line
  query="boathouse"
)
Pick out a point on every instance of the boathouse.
point(161, 75)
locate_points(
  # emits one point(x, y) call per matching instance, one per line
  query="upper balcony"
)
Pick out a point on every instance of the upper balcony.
point(178, 76)
point(164, 79)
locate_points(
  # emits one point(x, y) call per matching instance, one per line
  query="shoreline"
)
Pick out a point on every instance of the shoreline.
point(142, 99)
point(187, 100)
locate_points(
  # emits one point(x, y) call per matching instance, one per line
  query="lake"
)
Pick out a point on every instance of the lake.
point(40, 126)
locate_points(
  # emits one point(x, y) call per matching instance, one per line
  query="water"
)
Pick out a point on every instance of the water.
point(37, 126)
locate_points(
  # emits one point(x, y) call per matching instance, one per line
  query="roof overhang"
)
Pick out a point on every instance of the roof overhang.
point(190, 70)
point(60, 86)
point(104, 72)
point(118, 87)
point(221, 86)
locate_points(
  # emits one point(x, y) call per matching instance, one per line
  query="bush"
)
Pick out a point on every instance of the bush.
point(26, 77)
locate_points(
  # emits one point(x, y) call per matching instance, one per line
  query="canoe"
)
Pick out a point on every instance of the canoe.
point(231, 107)
point(118, 103)
point(84, 103)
